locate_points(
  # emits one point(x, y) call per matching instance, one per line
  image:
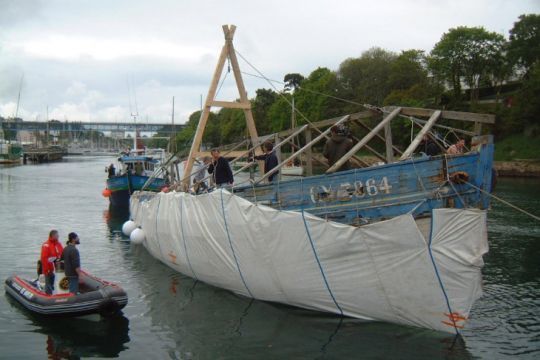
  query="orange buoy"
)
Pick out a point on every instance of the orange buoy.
point(106, 193)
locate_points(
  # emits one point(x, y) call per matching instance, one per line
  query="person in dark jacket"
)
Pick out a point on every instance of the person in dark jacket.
point(429, 147)
point(337, 146)
point(270, 160)
point(72, 262)
point(220, 169)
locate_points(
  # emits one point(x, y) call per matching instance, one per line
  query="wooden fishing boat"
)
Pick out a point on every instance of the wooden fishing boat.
point(400, 241)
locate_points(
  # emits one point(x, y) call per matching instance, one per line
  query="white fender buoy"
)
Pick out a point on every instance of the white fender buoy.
point(128, 227)
point(137, 236)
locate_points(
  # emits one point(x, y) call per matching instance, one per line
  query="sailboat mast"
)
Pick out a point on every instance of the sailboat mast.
point(19, 97)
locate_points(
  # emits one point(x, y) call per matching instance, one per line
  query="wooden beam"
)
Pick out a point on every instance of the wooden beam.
point(388, 143)
point(332, 121)
point(361, 124)
point(419, 122)
point(322, 135)
point(449, 115)
point(364, 141)
point(231, 104)
point(313, 158)
point(425, 129)
point(201, 126)
point(478, 128)
point(241, 87)
point(309, 153)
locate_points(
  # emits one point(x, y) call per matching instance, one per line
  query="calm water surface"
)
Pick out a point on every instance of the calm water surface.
point(172, 316)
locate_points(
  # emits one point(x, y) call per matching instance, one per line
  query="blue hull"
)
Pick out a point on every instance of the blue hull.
point(362, 196)
point(122, 187)
point(120, 198)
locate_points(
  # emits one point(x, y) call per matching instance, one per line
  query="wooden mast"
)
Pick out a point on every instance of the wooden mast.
point(227, 52)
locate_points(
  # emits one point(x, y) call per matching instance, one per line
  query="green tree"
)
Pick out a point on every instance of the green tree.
point(366, 79)
point(467, 55)
point(292, 81)
point(524, 45)
point(260, 106)
point(311, 98)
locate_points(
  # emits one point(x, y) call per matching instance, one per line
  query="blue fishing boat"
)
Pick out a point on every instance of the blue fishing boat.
point(134, 173)
point(365, 195)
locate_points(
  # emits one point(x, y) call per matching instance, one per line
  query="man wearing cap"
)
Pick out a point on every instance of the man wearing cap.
point(51, 251)
point(72, 262)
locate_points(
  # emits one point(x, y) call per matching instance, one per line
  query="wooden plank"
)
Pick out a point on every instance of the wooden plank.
point(361, 124)
point(478, 128)
point(449, 115)
point(231, 104)
point(332, 121)
point(364, 141)
point(309, 153)
point(250, 122)
point(388, 143)
point(201, 126)
point(322, 135)
point(425, 129)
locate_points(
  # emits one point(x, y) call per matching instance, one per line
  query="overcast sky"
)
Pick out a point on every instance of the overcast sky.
point(77, 57)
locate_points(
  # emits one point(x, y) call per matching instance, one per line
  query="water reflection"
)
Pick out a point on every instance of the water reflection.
point(87, 336)
point(209, 322)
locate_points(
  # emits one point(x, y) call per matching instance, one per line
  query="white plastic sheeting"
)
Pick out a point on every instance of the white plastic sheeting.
point(386, 271)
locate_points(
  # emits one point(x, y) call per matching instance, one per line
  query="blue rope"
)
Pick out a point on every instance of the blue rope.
point(439, 277)
point(232, 248)
point(157, 234)
point(320, 266)
point(184, 239)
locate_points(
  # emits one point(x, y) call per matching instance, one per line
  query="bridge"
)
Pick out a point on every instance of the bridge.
point(81, 126)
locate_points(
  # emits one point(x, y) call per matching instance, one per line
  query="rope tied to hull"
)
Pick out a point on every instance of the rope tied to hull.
point(515, 207)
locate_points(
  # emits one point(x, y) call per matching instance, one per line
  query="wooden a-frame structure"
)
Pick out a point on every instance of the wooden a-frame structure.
point(227, 52)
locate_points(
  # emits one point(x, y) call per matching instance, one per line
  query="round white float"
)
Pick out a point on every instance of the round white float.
point(137, 236)
point(128, 227)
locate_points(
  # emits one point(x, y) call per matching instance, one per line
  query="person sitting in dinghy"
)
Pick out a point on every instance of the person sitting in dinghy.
point(72, 262)
point(51, 251)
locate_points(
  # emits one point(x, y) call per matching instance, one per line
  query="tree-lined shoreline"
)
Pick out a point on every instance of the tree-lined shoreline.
point(465, 65)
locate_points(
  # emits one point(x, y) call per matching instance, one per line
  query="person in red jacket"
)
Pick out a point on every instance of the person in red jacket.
point(51, 251)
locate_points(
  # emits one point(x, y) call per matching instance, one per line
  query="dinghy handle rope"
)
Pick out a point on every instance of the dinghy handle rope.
point(317, 259)
point(184, 239)
point(505, 202)
point(232, 248)
point(454, 325)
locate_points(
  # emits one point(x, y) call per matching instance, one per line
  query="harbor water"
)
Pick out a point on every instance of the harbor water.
point(172, 316)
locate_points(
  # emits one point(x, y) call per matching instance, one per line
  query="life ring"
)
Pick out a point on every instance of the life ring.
point(64, 283)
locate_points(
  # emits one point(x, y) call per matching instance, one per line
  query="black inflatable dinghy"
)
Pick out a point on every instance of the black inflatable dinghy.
point(96, 296)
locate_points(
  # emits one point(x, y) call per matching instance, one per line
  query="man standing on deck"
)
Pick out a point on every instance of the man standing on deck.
point(51, 251)
point(337, 146)
point(270, 159)
point(72, 262)
point(220, 170)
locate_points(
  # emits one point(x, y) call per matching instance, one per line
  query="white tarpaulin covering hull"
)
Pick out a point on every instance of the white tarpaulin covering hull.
point(387, 271)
